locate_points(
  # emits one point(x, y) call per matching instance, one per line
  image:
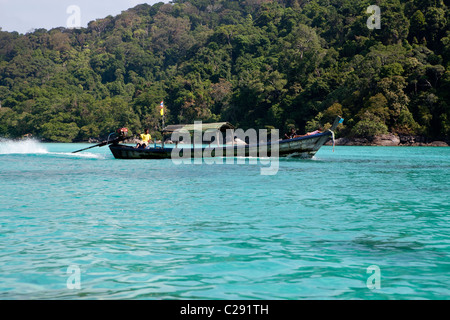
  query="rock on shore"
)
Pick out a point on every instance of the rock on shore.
point(386, 140)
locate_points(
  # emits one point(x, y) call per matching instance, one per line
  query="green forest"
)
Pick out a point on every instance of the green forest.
point(254, 63)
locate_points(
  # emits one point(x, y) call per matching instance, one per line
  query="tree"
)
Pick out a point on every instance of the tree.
point(369, 126)
point(436, 23)
point(418, 26)
point(59, 131)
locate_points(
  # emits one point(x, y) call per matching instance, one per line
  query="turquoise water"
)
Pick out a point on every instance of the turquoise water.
point(148, 229)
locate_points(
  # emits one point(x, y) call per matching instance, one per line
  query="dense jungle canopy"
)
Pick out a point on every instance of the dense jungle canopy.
point(254, 63)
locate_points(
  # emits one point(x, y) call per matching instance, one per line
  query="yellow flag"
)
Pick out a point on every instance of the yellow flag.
point(162, 108)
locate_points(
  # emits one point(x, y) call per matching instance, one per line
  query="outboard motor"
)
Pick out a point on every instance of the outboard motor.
point(122, 133)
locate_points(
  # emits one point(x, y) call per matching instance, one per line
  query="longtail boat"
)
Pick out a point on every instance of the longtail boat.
point(301, 146)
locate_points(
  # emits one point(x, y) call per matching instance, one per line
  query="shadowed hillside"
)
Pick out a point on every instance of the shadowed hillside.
point(254, 63)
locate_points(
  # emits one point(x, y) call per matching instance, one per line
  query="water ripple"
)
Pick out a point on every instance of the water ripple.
point(154, 230)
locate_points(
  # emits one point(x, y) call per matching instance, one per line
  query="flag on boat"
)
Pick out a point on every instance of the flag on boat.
point(162, 108)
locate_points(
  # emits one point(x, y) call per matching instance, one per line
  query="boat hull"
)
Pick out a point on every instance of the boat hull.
point(301, 147)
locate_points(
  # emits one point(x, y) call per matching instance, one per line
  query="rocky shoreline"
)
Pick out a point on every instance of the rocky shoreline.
point(391, 140)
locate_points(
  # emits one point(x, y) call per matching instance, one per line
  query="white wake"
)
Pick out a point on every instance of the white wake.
point(28, 146)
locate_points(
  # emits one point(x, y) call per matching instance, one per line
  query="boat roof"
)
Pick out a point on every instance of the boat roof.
point(221, 126)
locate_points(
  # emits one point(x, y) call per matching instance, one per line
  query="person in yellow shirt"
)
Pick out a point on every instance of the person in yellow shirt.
point(145, 139)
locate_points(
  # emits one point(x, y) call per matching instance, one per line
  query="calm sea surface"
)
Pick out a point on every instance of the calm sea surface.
point(357, 223)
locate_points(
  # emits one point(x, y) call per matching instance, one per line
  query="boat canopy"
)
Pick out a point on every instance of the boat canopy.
point(221, 126)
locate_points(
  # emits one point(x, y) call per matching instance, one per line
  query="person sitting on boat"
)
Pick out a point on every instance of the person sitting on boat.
point(145, 139)
point(291, 134)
